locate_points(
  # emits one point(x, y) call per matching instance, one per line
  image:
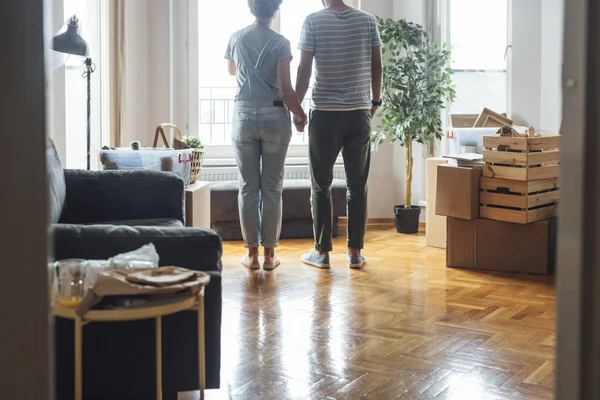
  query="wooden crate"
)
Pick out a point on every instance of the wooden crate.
point(520, 202)
point(491, 119)
point(521, 158)
point(463, 120)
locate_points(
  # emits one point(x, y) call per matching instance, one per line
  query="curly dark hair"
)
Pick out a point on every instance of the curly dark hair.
point(264, 8)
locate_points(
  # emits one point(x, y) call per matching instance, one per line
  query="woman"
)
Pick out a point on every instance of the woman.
point(262, 128)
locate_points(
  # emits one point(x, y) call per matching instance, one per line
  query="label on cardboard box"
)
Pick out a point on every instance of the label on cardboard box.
point(504, 246)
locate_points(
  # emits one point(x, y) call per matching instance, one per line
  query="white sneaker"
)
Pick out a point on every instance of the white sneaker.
point(271, 263)
point(250, 262)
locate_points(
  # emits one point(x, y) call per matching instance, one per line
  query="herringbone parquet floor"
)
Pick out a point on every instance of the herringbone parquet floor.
point(403, 327)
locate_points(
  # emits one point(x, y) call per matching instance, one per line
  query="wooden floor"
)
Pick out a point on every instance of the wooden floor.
point(403, 327)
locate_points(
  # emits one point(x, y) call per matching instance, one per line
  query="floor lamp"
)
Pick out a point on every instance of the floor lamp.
point(71, 42)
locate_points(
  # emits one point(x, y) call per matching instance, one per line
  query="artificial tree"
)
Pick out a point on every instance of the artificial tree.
point(417, 86)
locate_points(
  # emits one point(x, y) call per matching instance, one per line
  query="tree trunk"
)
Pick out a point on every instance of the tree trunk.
point(408, 167)
point(432, 148)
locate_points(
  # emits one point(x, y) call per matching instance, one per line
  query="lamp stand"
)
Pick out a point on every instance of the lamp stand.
point(89, 69)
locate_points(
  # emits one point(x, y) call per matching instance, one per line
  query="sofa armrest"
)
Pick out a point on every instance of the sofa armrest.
point(103, 196)
point(193, 248)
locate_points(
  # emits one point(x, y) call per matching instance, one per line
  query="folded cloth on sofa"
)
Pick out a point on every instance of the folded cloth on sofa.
point(160, 281)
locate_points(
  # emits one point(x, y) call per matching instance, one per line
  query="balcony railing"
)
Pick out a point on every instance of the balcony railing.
point(216, 113)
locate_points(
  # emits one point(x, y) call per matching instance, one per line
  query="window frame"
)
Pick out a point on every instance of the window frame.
point(222, 155)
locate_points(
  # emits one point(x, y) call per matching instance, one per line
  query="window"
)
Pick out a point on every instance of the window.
point(478, 33)
point(93, 26)
point(217, 89)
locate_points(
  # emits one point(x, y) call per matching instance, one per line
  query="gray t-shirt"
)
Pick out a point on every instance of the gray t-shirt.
point(253, 39)
point(343, 45)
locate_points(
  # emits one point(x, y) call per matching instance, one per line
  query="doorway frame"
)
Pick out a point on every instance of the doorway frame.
point(578, 305)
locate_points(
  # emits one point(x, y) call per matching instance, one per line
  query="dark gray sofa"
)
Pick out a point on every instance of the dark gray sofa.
point(297, 220)
point(96, 215)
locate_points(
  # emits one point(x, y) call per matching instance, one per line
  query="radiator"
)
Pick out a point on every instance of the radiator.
point(216, 174)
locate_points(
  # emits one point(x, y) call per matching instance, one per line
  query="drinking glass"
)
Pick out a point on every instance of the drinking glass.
point(69, 278)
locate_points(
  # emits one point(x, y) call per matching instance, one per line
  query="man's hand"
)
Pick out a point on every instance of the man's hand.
point(374, 110)
point(300, 122)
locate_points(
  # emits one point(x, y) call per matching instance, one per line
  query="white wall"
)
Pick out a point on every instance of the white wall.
point(159, 64)
point(155, 87)
point(382, 178)
point(536, 63)
point(137, 84)
point(552, 61)
point(57, 124)
point(526, 63)
point(412, 10)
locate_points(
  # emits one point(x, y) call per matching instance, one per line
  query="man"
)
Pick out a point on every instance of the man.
point(345, 45)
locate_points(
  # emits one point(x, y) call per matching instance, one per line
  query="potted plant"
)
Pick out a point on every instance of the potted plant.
point(192, 142)
point(417, 86)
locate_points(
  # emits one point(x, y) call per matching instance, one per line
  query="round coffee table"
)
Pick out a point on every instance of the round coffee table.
point(195, 302)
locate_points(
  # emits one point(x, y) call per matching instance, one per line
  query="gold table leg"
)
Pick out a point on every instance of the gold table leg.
point(201, 355)
point(159, 358)
point(78, 350)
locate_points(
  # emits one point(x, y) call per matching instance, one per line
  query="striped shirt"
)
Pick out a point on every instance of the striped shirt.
point(343, 46)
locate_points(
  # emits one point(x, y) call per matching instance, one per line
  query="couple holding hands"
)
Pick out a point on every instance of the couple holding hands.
point(344, 45)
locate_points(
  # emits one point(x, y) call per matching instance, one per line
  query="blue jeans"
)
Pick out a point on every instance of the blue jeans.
point(261, 135)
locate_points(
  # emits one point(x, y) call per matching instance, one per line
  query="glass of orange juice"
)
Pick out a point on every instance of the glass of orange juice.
point(69, 279)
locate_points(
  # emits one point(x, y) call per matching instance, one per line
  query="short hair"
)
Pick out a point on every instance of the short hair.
point(264, 8)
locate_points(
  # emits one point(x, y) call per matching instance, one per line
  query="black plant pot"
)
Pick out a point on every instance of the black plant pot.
point(407, 220)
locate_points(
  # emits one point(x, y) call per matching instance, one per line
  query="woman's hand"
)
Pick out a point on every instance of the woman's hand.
point(300, 122)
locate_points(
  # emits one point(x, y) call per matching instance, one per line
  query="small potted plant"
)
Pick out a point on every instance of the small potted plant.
point(195, 144)
point(417, 86)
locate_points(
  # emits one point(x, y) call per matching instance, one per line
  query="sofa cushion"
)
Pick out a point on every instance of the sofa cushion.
point(194, 248)
point(100, 196)
point(57, 188)
point(155, 222)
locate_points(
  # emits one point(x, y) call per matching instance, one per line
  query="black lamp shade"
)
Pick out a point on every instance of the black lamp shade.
point(70, 41)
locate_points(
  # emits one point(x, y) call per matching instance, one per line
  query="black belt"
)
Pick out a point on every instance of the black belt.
point(276, 103)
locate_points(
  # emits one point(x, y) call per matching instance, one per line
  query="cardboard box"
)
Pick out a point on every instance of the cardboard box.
point(502, 246)
point(458, 192)
point(435, 234)
point(197, 205)
point(461, 237)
